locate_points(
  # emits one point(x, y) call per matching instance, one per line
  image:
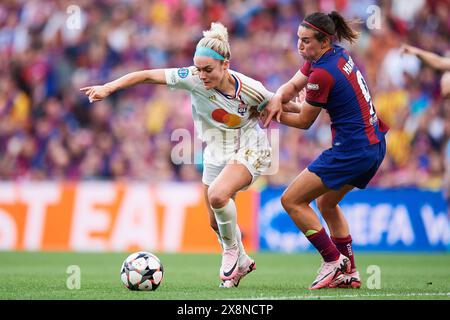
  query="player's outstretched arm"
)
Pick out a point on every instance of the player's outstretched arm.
point(433, 60)
point(100, 92)
point(283, 95)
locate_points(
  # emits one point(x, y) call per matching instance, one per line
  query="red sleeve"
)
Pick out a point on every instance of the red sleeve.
point(320, 83)
point(305, 69)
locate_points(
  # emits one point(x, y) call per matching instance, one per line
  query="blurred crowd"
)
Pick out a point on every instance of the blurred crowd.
point(50, 49)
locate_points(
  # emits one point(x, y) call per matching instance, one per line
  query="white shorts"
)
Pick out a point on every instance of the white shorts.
point(253, 151)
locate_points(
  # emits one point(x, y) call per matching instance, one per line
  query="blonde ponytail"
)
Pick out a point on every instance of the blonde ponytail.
point(216, 38)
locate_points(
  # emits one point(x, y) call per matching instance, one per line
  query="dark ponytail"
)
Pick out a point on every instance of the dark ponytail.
point(328, 25)
point(343, 29)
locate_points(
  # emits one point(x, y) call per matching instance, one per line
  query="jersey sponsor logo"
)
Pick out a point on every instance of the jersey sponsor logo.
point(229, 119)
point(183, 72)
point(212, 98)
point(312, 86)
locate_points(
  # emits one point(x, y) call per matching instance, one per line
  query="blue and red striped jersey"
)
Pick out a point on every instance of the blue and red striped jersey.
point(336, 84)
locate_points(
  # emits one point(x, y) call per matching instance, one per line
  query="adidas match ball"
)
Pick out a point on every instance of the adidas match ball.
point(141, 271)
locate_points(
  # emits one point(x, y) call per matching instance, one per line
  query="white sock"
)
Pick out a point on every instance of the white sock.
point(226, 222)
point(239, 240)
point(240, 244)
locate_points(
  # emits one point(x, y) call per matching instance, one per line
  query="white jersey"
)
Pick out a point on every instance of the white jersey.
point(211, 109)
point(226, 123)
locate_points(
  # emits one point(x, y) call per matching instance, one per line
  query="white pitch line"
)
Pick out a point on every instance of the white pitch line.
point(413, 294)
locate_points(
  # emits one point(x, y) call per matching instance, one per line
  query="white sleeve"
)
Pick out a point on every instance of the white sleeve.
point(182, 78)
point(261, 92)
point(267, 93)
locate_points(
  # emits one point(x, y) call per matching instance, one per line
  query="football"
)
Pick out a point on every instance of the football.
point(141, 271)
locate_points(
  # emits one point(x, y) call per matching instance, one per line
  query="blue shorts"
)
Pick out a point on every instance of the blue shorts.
point(354, 167)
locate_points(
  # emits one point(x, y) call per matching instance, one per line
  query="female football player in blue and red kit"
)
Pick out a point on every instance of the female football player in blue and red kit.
point(333, 82)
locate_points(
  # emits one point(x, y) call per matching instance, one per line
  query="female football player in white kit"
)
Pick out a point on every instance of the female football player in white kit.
point(224, 105)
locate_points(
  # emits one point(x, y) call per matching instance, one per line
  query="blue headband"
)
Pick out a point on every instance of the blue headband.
point(207, 52)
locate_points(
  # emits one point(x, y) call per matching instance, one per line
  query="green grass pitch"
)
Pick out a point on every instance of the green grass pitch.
point(35, 275)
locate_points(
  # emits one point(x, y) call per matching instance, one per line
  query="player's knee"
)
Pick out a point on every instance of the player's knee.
point(217, 199)
point(287, 202)
point(292, 204)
